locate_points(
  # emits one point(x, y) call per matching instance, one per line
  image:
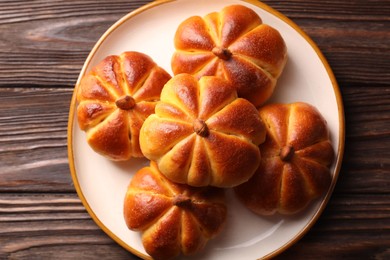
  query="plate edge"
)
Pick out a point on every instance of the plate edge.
point(340, 148)
point(341, 120)
point(70, 126)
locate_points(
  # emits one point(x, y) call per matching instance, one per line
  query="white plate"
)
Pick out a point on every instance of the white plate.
point(101, 184)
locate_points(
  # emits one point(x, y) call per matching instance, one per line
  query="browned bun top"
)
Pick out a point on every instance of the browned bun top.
point(114, 99)
point(202, 134)
point(233, 44)
point(296, 157)
point(173, 218)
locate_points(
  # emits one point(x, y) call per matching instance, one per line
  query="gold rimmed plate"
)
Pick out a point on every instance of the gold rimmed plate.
point(307, 77)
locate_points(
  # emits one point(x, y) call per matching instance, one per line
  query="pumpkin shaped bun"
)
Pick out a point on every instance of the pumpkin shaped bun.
point(173, 218)
point(296, 157)
point(233, 44)
point(202, 134)
point(115, 98)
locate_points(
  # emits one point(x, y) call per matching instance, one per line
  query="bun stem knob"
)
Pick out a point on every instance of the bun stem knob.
point(286, 153)
point(125, 102)
point(200, 128)
point(182, 201)
point(222, 53)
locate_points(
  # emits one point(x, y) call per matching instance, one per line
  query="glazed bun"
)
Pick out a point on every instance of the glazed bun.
point(202, 134)
point(115, 98)
point(296, 156)
point(233, 44)
point(174, 219)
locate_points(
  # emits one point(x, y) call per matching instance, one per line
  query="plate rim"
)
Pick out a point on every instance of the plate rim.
point(267, 8)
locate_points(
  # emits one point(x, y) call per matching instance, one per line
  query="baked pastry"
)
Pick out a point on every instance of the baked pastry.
point(173, 218)
point(233, 44)
point(296, 156)
point(202, 134)
point(114, 99)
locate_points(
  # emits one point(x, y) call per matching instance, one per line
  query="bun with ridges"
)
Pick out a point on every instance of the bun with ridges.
point(233, 44)
point(202, 134)
point(115, 98)
point(174, 218)
point(296, 157)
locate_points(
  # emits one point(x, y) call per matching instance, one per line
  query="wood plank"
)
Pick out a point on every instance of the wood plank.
point(33, 139)
point(41, 226)
point(54, 38)
point(351, 227)
point(333, 9)
point(38, 225)
point(86, 247)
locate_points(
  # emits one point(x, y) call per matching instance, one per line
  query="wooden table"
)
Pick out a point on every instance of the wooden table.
point(43, 45)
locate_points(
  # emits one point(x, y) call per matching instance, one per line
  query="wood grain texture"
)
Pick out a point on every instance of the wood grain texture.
point(39, 225)
point(350, 228)
point(43, 45)
point(33, 134)
point(51, 226)
point(46, 42)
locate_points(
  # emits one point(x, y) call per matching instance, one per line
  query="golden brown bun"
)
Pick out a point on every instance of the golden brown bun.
point(233, 44)
point(115, 98)
point(202, 134)
point(296, 157)
point(173, 218)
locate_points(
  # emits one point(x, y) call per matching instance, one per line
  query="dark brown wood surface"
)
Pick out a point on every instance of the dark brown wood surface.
point(43, 45)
